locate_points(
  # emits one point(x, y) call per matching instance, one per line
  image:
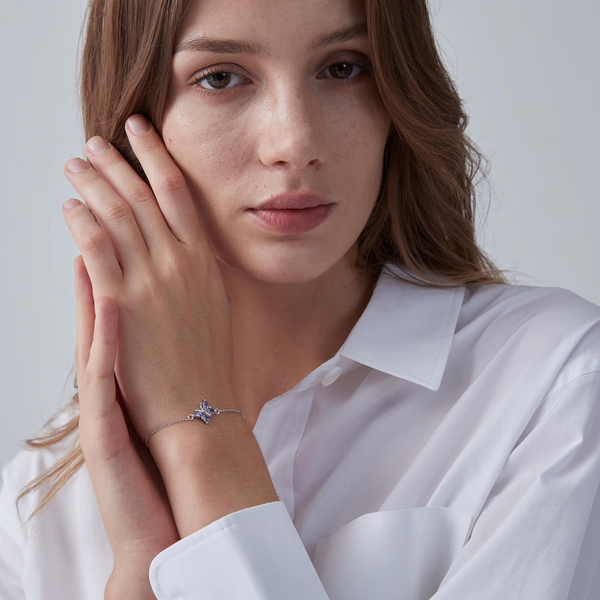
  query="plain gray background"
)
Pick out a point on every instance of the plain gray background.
point(527, 71)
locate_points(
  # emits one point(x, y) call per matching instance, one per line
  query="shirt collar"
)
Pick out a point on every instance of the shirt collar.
point(406, 330)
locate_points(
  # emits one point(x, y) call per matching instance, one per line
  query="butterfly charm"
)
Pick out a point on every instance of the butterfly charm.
point(205, 412)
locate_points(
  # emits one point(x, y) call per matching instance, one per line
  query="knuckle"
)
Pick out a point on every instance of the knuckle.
point(111, 158)
point(171, 183)
point(87, 377)
point(98, 375)
point(93, 240)
point(138, 194)
point(173, 261)
point(144, 289)
point(115, 211)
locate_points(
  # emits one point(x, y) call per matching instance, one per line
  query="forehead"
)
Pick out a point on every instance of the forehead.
point(259, 26)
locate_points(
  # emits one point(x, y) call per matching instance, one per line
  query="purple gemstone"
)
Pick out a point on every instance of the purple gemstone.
point(208, 408)
point(204, 412)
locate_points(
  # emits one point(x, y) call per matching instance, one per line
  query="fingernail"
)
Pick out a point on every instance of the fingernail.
point(71, 203)
point(76, 164)
point(97, 145)
point(138, 125)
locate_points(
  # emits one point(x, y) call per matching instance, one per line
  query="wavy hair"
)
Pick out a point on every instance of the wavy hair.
point(424, 216)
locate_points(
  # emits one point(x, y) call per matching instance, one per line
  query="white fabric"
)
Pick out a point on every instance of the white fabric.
point(449, 451)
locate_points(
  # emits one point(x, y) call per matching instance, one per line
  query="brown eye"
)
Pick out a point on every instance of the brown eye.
point(219, 80)
point(343, 69)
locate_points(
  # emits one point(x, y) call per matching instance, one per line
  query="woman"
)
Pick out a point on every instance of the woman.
point(403, 422)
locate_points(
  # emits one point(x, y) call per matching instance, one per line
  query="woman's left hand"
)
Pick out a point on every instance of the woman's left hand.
point(130, 491)
point(152, 257)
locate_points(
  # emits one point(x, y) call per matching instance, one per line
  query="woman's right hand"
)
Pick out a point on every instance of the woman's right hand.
point(131, 495)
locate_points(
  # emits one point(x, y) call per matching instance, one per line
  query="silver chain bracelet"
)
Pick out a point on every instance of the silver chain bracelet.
point(205, 412)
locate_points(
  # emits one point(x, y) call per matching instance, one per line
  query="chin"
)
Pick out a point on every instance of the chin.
point(283, 267)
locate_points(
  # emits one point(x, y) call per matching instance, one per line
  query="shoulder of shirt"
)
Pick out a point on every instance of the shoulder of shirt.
point(25, 466)
point(568, 317)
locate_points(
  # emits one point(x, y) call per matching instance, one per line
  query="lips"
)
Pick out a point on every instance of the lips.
point(294, 201)
point(293, 220)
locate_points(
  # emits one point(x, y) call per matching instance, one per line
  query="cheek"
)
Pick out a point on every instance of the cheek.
point(210, 152)
point(200, 143)
point(357, 125)
point(356, 148)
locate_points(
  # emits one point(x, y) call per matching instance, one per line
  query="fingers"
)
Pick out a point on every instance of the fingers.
point(95, 352)
point(167, 181)
point(118, 222)
point(100, 370)
point(137, 223)
point(103, 431)
point(85, 314)
point(113, 167)
point(93, 243)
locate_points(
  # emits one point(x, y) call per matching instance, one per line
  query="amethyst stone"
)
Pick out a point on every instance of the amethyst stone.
point(204, 412)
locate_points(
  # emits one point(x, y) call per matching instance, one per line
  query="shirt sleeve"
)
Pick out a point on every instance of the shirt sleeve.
point(538, 534)
point(11, 545)
point(255, 553)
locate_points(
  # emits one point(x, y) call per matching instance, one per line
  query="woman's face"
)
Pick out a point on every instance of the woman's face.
point(291, 120)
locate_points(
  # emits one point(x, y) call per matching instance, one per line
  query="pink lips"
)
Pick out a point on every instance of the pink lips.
point(292, 220)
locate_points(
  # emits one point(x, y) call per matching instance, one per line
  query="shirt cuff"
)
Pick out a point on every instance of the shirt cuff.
point(254, 553)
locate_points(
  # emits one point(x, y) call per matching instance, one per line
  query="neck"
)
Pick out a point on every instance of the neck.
point(283, 331)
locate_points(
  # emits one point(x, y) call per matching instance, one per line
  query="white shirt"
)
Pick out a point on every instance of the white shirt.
point(450, 450)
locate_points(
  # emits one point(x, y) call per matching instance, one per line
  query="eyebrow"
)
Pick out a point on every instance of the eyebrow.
point(200, 44)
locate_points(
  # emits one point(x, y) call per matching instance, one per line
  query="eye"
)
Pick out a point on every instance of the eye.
point(219, 79)
point(346, 67)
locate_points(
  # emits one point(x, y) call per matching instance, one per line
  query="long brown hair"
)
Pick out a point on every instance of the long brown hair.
point(424, 217)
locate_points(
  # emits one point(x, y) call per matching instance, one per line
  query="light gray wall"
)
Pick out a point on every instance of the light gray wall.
point(528, 72)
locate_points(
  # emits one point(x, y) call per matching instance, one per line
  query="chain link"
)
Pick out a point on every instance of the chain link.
point(191, 417)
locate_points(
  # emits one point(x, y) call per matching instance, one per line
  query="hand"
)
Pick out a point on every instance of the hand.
point(152, 257)
point(131, 496)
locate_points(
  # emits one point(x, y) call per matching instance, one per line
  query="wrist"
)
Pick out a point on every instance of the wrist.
point(129, 583)
point(183, 440)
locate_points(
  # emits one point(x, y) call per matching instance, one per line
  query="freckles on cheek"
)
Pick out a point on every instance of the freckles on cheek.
point(359, 116)
point(201, 144)
point(351, 138)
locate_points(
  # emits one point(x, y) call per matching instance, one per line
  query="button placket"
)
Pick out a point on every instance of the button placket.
point(300, 420)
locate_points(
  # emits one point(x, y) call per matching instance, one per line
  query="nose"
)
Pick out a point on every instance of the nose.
point(292, 129)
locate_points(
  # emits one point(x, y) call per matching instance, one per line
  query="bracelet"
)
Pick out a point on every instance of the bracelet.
point(205, 412)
